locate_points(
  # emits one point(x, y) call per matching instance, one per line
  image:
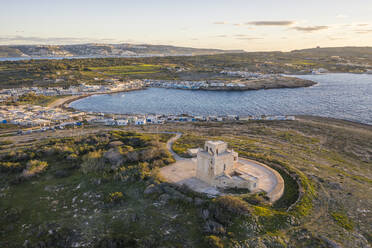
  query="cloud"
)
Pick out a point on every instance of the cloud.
point(363, 31)
point(221, 23)
point(310, 28)
point(270, 23)
point(342, 16)
point(335, 38)
point(249, 38)
point(18, 39)
point(221, 36)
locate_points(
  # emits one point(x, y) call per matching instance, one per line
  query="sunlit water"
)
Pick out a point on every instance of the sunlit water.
point(343, 96)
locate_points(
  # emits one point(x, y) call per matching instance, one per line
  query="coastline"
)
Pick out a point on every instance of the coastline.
point(261, 85)
point(63, 102)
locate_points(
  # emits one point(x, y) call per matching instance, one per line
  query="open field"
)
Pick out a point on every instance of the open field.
point(73, 71)
point(128, 69)
point(326, 165)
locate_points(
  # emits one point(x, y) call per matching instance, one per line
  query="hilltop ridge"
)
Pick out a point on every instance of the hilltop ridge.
point(104, 50)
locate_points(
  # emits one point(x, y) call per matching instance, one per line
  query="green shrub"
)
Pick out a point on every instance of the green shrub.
point(34, 167)
point(93, 162)
point(257, 199)
point(115, 197)
point(6, 142)
point(11, 167)
point(233, 204)
point(214, 241)
point(342, 220)
point(262, 211)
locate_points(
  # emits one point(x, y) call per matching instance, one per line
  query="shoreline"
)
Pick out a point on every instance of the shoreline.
point(305, 83)
point(69, 99)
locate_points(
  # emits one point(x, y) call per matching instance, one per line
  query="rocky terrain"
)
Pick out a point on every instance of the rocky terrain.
point(266, 83)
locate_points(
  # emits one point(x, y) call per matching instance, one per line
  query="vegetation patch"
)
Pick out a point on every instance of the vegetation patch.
point(32, 98)
point(342, 220)
point(186, 142)
point(10, 167)
point(115, 197)
point(214, 241)
point(233, 204)
point(34, 167)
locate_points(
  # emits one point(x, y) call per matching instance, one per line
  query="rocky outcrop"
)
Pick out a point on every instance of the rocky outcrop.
point(113, 156)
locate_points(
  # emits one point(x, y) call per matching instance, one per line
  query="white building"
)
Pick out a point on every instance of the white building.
point(140, 121)
point(122, 122)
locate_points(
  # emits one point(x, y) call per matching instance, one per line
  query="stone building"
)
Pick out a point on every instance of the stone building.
point(219, 167)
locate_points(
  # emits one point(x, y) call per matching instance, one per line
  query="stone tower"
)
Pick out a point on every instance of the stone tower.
point(214, 160)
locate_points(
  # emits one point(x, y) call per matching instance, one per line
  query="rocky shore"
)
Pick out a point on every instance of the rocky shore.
point(266, 83)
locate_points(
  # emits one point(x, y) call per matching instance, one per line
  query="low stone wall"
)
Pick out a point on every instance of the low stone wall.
point(278, 191)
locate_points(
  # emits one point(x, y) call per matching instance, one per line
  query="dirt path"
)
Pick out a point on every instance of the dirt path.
point(170, 144)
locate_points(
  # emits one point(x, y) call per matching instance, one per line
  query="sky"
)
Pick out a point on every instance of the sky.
point(251, 25)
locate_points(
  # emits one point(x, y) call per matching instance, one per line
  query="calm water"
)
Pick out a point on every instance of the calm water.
point(343, 96)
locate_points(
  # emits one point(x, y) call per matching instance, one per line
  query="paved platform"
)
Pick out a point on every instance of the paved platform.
point(183, 172)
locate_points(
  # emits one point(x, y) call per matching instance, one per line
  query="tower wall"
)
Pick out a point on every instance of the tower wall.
point(205, 169)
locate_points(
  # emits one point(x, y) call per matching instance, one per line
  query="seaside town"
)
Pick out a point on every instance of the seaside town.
point(49, 118)
point(115, 85)
point(80, 90)
point(41, 118)
point(112, 86)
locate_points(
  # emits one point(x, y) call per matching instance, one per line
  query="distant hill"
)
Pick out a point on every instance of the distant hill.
point(105, 50)
point(338, 51)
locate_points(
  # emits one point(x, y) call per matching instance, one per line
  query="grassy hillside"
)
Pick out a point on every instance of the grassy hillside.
point(332, 160)
point(102, 189)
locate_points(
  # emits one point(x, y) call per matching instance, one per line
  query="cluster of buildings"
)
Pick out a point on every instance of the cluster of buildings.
point(124, 120)
point(176, 84)
point(195, 85)
point(82, 89)
point(247, 74)
point(32, 115)
point(43, 118)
